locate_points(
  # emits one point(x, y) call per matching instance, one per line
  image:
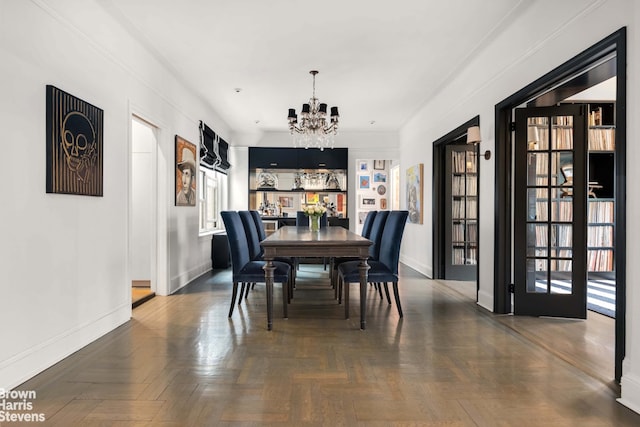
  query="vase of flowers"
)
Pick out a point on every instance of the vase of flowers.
point(314, 213)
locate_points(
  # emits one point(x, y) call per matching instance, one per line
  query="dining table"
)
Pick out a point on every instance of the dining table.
point(298, 241)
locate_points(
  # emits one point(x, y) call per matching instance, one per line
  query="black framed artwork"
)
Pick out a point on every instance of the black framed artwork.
point(379, 164)
point(74, 145)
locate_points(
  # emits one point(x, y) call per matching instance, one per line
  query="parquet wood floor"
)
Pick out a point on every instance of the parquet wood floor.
point(181, 362)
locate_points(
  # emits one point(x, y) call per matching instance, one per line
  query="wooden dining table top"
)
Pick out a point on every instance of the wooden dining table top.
point(328, 241)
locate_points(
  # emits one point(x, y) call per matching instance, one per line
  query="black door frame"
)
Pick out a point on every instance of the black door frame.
point(616, 44)
point(438, 205)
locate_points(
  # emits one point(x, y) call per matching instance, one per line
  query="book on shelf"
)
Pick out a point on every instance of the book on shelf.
point(602, 139)
point(600, 260)
point(600, 211)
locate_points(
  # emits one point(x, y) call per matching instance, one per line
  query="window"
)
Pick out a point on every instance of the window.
point(213, 199)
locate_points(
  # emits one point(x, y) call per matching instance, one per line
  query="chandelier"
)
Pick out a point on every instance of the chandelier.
point(313, 130)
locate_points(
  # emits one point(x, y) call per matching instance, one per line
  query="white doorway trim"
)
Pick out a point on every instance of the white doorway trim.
point(159, 270)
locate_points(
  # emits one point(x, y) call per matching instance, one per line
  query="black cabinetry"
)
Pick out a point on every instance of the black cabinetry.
point(297, 158)
point(273, 158)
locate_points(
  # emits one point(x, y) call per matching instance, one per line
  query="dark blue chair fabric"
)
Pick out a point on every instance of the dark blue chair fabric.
point(246, 270)
point(385, 268)
point(253, 238)
point(256, 234)
point(303, 221)
point(376, 233)
point(368, 224)
point(262, 234)
point(335, 262)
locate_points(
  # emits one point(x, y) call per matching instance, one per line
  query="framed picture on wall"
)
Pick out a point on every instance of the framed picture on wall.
point(74, 143)
point(379, 177)
point(415, 193)
point(379, 164)
point(312, 198)
point(367, 202)
point(185, 172)
point(363, 165)
point(364, 181)
point(383, 204)
point(286, 201)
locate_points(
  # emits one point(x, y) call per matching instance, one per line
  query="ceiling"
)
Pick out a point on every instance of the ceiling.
point(379, 61)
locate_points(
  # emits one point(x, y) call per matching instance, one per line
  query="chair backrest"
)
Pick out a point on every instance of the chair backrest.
point(368, 223)
point(250, 229)
point(262, 234)
point(303, 221)
point(376, 233)
point(237, 239)
point(391, 239)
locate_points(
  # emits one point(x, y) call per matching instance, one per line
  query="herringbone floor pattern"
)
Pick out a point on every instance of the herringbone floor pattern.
point(181, 362)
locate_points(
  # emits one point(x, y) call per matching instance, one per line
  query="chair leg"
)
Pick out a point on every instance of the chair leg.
point(246, 292)
point(241, 292)
point(331, 264)
point(233, 297)
point(379, 286)
point(324, 261)
point(395, 293)
point(290, 284)
point(346, 300)
point(285, 298)
point(386, 291)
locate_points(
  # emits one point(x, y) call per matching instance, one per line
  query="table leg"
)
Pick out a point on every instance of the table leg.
point(363, 267)
point(269, 268)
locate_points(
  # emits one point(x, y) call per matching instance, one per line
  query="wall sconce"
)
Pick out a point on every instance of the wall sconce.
point(473, 137)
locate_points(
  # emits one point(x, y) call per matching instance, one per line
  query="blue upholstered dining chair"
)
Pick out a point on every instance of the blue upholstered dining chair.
point(384, 269)
point(254, 229)
point(375, 235)
point(303, 221)
point(335, 262)
point(246, 270)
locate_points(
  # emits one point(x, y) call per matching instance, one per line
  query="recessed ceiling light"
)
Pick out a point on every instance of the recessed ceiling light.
point(238, 89)
point(257, 121)
point(373, 122)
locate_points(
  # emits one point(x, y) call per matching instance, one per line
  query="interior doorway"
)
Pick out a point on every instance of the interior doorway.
point(581, 72)
point(456, 173)
point(142, 245)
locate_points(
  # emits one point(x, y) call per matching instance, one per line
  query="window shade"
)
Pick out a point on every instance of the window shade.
point(214, 151)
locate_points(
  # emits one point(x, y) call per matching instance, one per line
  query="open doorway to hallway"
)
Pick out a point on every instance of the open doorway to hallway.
point(142, 253)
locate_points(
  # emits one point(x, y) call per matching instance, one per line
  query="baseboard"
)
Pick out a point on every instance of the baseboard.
point(485, 300)
point(27, 364)
point(184, 279)
point(416, 265)
point(630, 386)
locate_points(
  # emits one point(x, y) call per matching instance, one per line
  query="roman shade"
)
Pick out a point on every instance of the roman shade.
point(214, 151)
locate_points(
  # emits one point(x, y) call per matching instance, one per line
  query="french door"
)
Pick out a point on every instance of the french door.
point(550, 212)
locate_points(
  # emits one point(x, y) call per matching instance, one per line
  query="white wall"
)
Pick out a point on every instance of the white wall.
point(64, 258)
point(530, 45)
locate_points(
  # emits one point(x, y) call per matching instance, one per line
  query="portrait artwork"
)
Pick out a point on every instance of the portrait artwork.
point(185, 172)
point(74, 145)
point(415, 193)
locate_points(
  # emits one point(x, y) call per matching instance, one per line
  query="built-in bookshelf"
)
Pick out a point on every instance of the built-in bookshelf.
point(464, 208)
point(601, 207)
